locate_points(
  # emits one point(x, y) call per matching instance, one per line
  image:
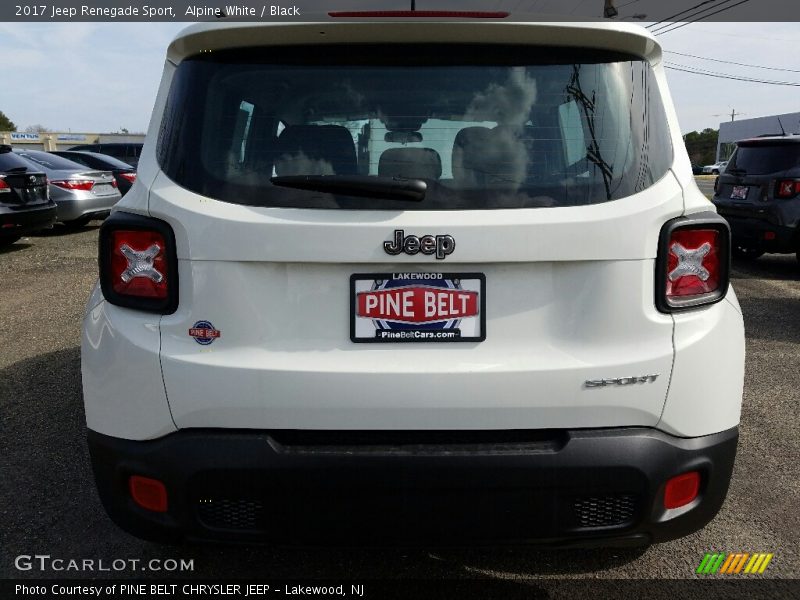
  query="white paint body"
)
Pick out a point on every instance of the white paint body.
point(570, 298)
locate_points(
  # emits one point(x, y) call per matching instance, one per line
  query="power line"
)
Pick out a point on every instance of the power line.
point(661, 31)
point(749, 36)
point(728, 62)
point(684, 11)
point(683, 68)
point(701, 70)
point(670, 21)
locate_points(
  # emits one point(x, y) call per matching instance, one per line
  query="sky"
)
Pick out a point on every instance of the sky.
point(102, 77)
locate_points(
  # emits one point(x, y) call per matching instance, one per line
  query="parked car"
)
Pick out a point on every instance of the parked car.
point(716, 168)
point(697, 169)
point(25, 206)
point(124, 174)
point(127, 152)
point(80, 194)
point(309, 327)
point(759, 195)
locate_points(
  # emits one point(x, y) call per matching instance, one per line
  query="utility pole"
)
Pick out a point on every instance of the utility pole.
point(734, 114)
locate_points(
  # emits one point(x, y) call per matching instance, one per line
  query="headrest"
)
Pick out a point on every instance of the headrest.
point(315, 150)
point(489, 157)
point(414, 163)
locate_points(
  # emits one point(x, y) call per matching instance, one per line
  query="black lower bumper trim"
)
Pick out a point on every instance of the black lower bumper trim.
point(761, 234)
point(16, 222)
point(580, 487)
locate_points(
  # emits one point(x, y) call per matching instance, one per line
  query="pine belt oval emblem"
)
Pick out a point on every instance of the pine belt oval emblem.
point(204, 332)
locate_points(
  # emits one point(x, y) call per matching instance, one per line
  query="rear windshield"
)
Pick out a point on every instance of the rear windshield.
point(483, 127)
point(765, 158)
point(10, 161)
point(50, 161)
point(97, 162)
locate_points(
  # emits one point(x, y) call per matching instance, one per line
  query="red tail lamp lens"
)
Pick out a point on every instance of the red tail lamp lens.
point(788, 188)
point(693, 265)
point(148, 493)
point(139, 264)
point(129, 176)
point(82, 185)
point(681, 490)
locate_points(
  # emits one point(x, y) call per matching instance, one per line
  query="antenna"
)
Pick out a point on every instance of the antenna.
point(783, 131)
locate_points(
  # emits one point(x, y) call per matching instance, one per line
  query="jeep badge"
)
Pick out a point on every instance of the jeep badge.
point(440, 245)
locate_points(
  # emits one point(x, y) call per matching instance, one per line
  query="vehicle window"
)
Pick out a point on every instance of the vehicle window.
point(9, 161)
point(115, 151)
point(500, 127)
point(106, 162)
point(569, 120)
point(765, 158)
point(50, 161)
point(81, 160)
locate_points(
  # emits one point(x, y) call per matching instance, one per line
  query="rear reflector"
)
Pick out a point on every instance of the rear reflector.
point(83, 185)
point(681, 490)
point(457, 14)
point(148, 493)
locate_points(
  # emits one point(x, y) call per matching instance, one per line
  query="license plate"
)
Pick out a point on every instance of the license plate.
point(103, 189)
point(34, 195)
point(418, 307)
point(739, 192)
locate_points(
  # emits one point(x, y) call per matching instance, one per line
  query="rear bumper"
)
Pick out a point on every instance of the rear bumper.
point(754, 231)
point(16, 222)
point(581, 487)
point(85, 204)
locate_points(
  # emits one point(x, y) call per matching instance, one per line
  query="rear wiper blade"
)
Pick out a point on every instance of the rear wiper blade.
point(390, 188)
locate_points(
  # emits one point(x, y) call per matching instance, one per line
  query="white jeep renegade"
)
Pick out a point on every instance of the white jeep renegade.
point(413, 278)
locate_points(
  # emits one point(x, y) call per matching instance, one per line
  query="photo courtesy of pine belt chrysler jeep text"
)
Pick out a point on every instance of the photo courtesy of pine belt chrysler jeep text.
point(401, 278)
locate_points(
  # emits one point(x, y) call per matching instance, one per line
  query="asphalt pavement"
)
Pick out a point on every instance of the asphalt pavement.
point(706, 184)
point(48, 504)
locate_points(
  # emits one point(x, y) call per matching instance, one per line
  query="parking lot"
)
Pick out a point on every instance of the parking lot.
point(49, 505)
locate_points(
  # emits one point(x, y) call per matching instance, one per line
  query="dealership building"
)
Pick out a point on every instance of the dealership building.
point(62, 141)
point(733, 131)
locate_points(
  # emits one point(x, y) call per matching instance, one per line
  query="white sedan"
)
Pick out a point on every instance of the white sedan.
point(716, 168)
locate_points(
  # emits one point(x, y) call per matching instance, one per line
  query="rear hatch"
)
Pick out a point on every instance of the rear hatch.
point(528, 265)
